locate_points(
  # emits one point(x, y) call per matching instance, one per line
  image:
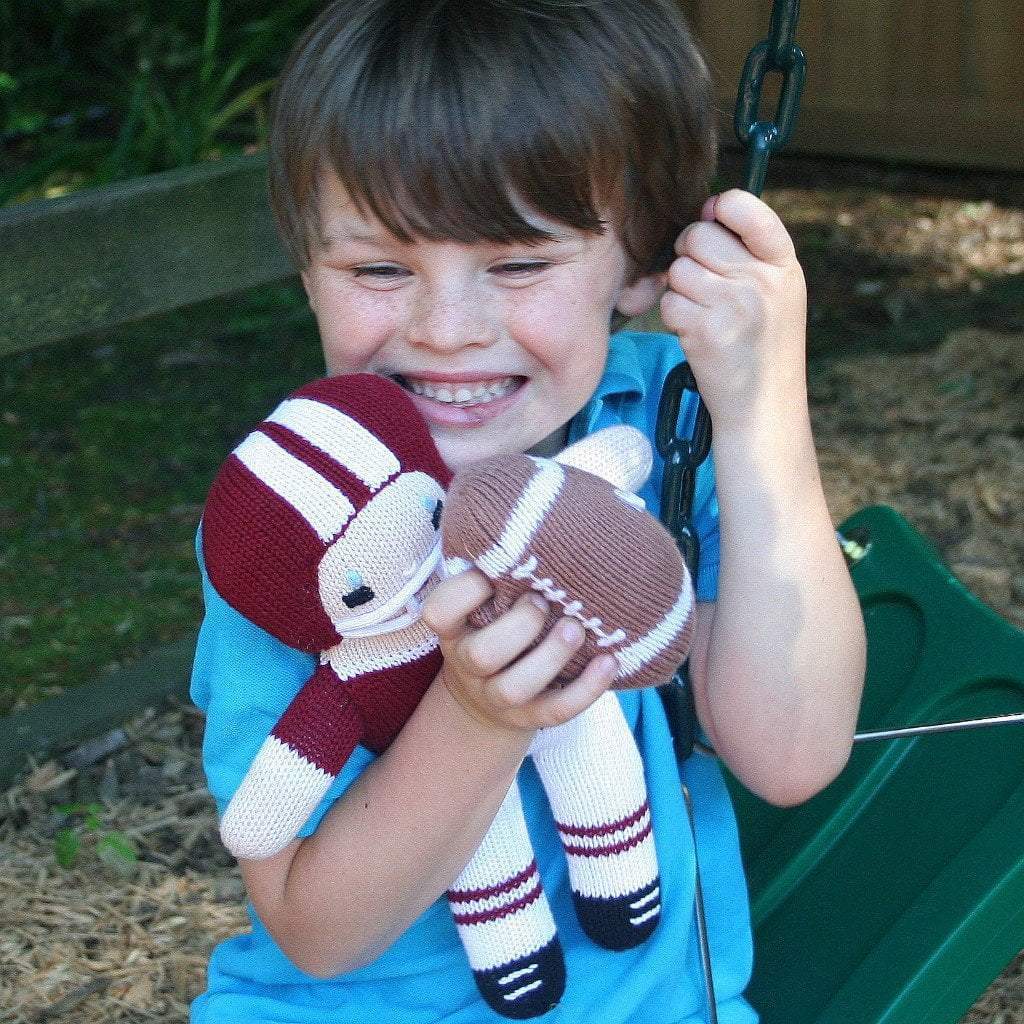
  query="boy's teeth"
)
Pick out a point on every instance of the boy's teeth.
point(461, 394)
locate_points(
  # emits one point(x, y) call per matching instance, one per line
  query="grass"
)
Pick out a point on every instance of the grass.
point(108, 449)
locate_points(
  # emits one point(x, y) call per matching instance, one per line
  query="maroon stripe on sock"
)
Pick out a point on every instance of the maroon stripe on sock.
point(483, 916)
point(607, 851)
point(321, 723)
point(334, 472)
point(465, 895)
point(602, 830)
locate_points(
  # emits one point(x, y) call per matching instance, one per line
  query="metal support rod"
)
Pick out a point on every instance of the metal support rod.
point(702, 925)
point(924, 730)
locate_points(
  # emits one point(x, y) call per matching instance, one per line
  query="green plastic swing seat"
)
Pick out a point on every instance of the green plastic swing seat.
point(897, 894)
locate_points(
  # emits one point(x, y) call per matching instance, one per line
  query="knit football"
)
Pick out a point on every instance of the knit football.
point(587, 546)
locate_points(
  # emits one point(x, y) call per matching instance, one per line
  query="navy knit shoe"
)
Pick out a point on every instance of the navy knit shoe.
point(526, 987)
point(620, 922)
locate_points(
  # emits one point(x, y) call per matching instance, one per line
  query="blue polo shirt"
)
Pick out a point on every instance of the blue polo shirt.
point(244, 679)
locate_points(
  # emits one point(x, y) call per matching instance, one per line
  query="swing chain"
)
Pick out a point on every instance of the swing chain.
point(682, 457)
point(777, 53)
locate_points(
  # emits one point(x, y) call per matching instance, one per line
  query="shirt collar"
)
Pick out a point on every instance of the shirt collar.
point(623, 375)
point(622, 371)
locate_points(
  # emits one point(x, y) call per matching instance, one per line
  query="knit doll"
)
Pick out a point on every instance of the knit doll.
point(323, 528)
point(313, 530)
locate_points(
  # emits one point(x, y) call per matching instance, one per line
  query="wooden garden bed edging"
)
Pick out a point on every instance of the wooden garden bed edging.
point(106, 256)
point(93, 708)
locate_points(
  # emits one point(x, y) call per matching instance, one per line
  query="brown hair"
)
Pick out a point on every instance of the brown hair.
point(436, 115)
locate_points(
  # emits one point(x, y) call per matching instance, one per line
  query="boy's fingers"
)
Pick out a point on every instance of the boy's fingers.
point(689, 278)
point(535, 670)
point(450, 602)
point(713, 246)
point(757, 225)
point(707, 211)
point(681, 315)
point(488, 650)
point(556, 707)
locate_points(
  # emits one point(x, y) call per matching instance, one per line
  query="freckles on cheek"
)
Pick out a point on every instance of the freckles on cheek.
point(352, 333)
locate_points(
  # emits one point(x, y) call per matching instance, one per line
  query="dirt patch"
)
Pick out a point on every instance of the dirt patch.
point(939, 435)
point(109, 940)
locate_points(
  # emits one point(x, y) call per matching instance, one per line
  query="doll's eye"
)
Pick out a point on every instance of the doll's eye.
point(361, 594)
point(434, 507)
point(358, 597)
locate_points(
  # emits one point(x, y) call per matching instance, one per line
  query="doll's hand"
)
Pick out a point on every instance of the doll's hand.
point(737, 299)
point(487, 671)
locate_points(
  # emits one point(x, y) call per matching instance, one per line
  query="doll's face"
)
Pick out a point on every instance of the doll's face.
point(380, 559)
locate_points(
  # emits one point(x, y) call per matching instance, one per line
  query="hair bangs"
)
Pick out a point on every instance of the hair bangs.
point(491, 121)
point(471, 155)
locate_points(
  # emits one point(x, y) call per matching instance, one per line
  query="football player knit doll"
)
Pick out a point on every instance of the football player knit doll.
point(324, 527)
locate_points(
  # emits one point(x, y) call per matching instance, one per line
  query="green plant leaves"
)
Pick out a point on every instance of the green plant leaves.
point(175, 84)
point(89, 834)
point(66, 845)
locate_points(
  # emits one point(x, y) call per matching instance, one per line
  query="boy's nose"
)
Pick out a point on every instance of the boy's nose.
point(450, 319)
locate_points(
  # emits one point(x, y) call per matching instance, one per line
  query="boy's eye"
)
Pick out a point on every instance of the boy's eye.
point(358, 597)
point(435, 519)
point(519, 267)
point(379, 270)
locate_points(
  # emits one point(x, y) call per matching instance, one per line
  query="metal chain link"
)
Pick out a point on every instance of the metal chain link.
point(778, 53)
point(682, 457)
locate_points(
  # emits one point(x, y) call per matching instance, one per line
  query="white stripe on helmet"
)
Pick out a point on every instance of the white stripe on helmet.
point(319, 502)
point(347, 442)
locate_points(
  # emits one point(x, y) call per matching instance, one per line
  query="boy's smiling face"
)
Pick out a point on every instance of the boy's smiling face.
point(500, 344)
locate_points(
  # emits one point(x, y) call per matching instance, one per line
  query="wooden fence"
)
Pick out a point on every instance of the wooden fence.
point(901, 80)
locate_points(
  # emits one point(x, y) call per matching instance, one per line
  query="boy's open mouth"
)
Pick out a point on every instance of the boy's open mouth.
point(462, 394)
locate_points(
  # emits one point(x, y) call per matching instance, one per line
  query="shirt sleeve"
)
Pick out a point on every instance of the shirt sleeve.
point(243, 679)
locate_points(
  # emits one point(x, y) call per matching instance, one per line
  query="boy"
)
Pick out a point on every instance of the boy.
point(473, 193)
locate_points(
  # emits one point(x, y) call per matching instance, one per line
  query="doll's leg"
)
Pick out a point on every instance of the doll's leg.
point(504, 920)
point(594, 779)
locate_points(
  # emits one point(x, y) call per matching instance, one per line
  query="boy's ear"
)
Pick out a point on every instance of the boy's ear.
point(640, 295)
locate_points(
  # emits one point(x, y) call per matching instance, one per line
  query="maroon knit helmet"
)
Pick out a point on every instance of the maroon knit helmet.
point(292, 488)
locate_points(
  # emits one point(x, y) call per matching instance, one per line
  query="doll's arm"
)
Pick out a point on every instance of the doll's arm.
point(622, 455)
point(293, 769)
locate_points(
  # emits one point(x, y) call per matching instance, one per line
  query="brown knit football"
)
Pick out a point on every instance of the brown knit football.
point(587, 547)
